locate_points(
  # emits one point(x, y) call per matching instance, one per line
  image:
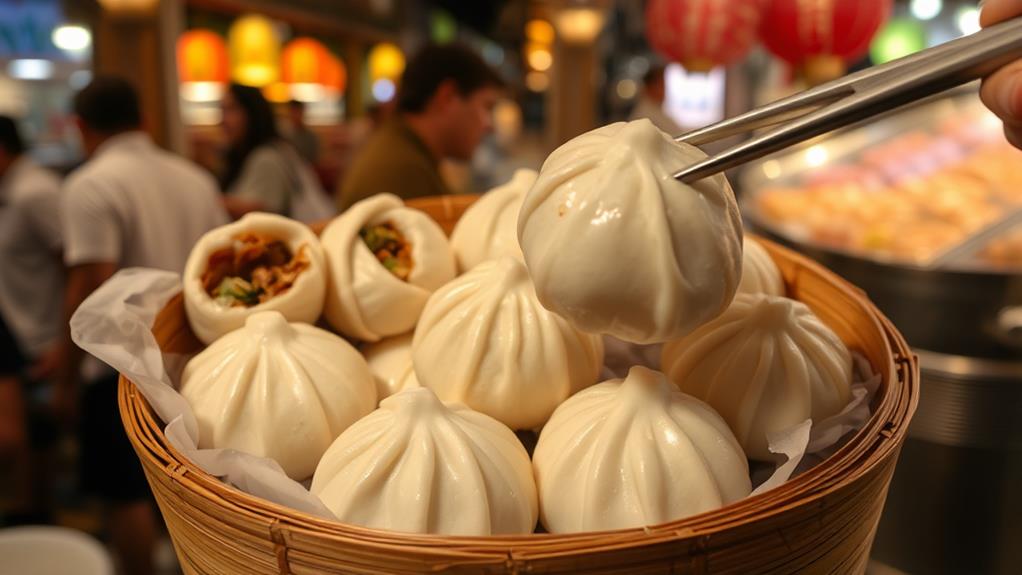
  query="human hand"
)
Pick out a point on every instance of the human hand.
point(1002, 90)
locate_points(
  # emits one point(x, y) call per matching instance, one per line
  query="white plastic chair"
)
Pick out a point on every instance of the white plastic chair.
point(45, 550)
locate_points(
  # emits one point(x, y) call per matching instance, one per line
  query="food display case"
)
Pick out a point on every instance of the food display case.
point(922, 209)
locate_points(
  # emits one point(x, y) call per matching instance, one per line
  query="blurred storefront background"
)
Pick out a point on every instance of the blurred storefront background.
point(570, 66)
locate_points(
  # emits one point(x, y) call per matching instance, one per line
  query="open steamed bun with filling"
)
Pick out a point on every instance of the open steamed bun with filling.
point(484, 340)
point(385, 260)
point(766, 364)
point(419, 466)
point(633, 452)
point(489, 227)
point(259, 263)
point(617, 246)
point(279, 390)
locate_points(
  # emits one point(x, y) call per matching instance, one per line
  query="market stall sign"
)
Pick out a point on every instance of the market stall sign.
point(26, 29)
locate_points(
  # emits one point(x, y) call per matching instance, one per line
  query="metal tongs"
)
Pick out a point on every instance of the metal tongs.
point(856, 97)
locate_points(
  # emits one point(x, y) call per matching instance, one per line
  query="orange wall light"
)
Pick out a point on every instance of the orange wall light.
point(309, 69)
point(201, 65)
point(335, 76)
point(304, 61)
point(386, 61)
point(277, 92)
point(255, 51)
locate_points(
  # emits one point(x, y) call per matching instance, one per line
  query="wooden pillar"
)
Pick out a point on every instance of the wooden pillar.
point(139, 45)
point(571, 98)
point(354, 94)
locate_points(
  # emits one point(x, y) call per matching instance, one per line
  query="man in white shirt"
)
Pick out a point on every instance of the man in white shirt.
point(651, 102)
point(132, 204)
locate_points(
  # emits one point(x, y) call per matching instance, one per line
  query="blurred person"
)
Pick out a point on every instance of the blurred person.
point(379, 112)
point(15, 453)
point(13, 439)
point(362, 128)
point(651, 101)
point(355, 133)
point(131, 204)
point(358, 131)
point(31, 292)
point(12, 363)
point(342, 143)
point(304, 140)
point(263, 172)
point(32, 282)
point(1002, 90)
point(444, 108)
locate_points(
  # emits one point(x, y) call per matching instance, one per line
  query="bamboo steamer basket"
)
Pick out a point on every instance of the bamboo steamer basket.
point(822, 521)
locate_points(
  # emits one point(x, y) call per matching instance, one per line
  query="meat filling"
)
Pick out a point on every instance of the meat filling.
point(254, 269)
point(390, 247)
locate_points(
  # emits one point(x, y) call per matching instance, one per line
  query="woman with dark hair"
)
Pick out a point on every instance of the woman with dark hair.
point(263, 172)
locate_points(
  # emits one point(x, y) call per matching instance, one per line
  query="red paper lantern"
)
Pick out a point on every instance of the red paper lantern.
point(201, 57)
point(702, 34)
point(820, 37)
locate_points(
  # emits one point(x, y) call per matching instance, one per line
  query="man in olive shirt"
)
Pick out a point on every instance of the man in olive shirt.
point(444, 109)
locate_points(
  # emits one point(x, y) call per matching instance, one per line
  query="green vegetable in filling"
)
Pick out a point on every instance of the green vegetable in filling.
point(390, 247)
point(235, 290)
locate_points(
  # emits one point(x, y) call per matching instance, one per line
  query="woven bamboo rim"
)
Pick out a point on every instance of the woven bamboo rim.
point(820, 522)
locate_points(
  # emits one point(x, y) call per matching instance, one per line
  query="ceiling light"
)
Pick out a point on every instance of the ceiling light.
point(926, 9)
point(30, 69)
point(72, 38)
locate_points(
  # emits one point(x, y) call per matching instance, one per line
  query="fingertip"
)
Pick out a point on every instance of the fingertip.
point(994, 11)
point(1002, 92)
point(1014, 135)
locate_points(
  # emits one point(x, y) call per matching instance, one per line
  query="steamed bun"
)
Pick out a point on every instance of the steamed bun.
point(766, 364)
point(617, 246)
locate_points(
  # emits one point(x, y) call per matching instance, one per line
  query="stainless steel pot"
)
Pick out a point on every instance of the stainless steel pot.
point(955, 501)
point(975, 313)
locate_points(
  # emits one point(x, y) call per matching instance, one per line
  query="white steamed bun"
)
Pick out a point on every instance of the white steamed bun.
point(759, 272)
point(617, 246)
point(278, 390)
point(419, 466)
point(366, 300)
point(485, 340)
point(390, 361)
point(634, 452)
point(242, 253)
point(489, 227)
point(766, 364)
